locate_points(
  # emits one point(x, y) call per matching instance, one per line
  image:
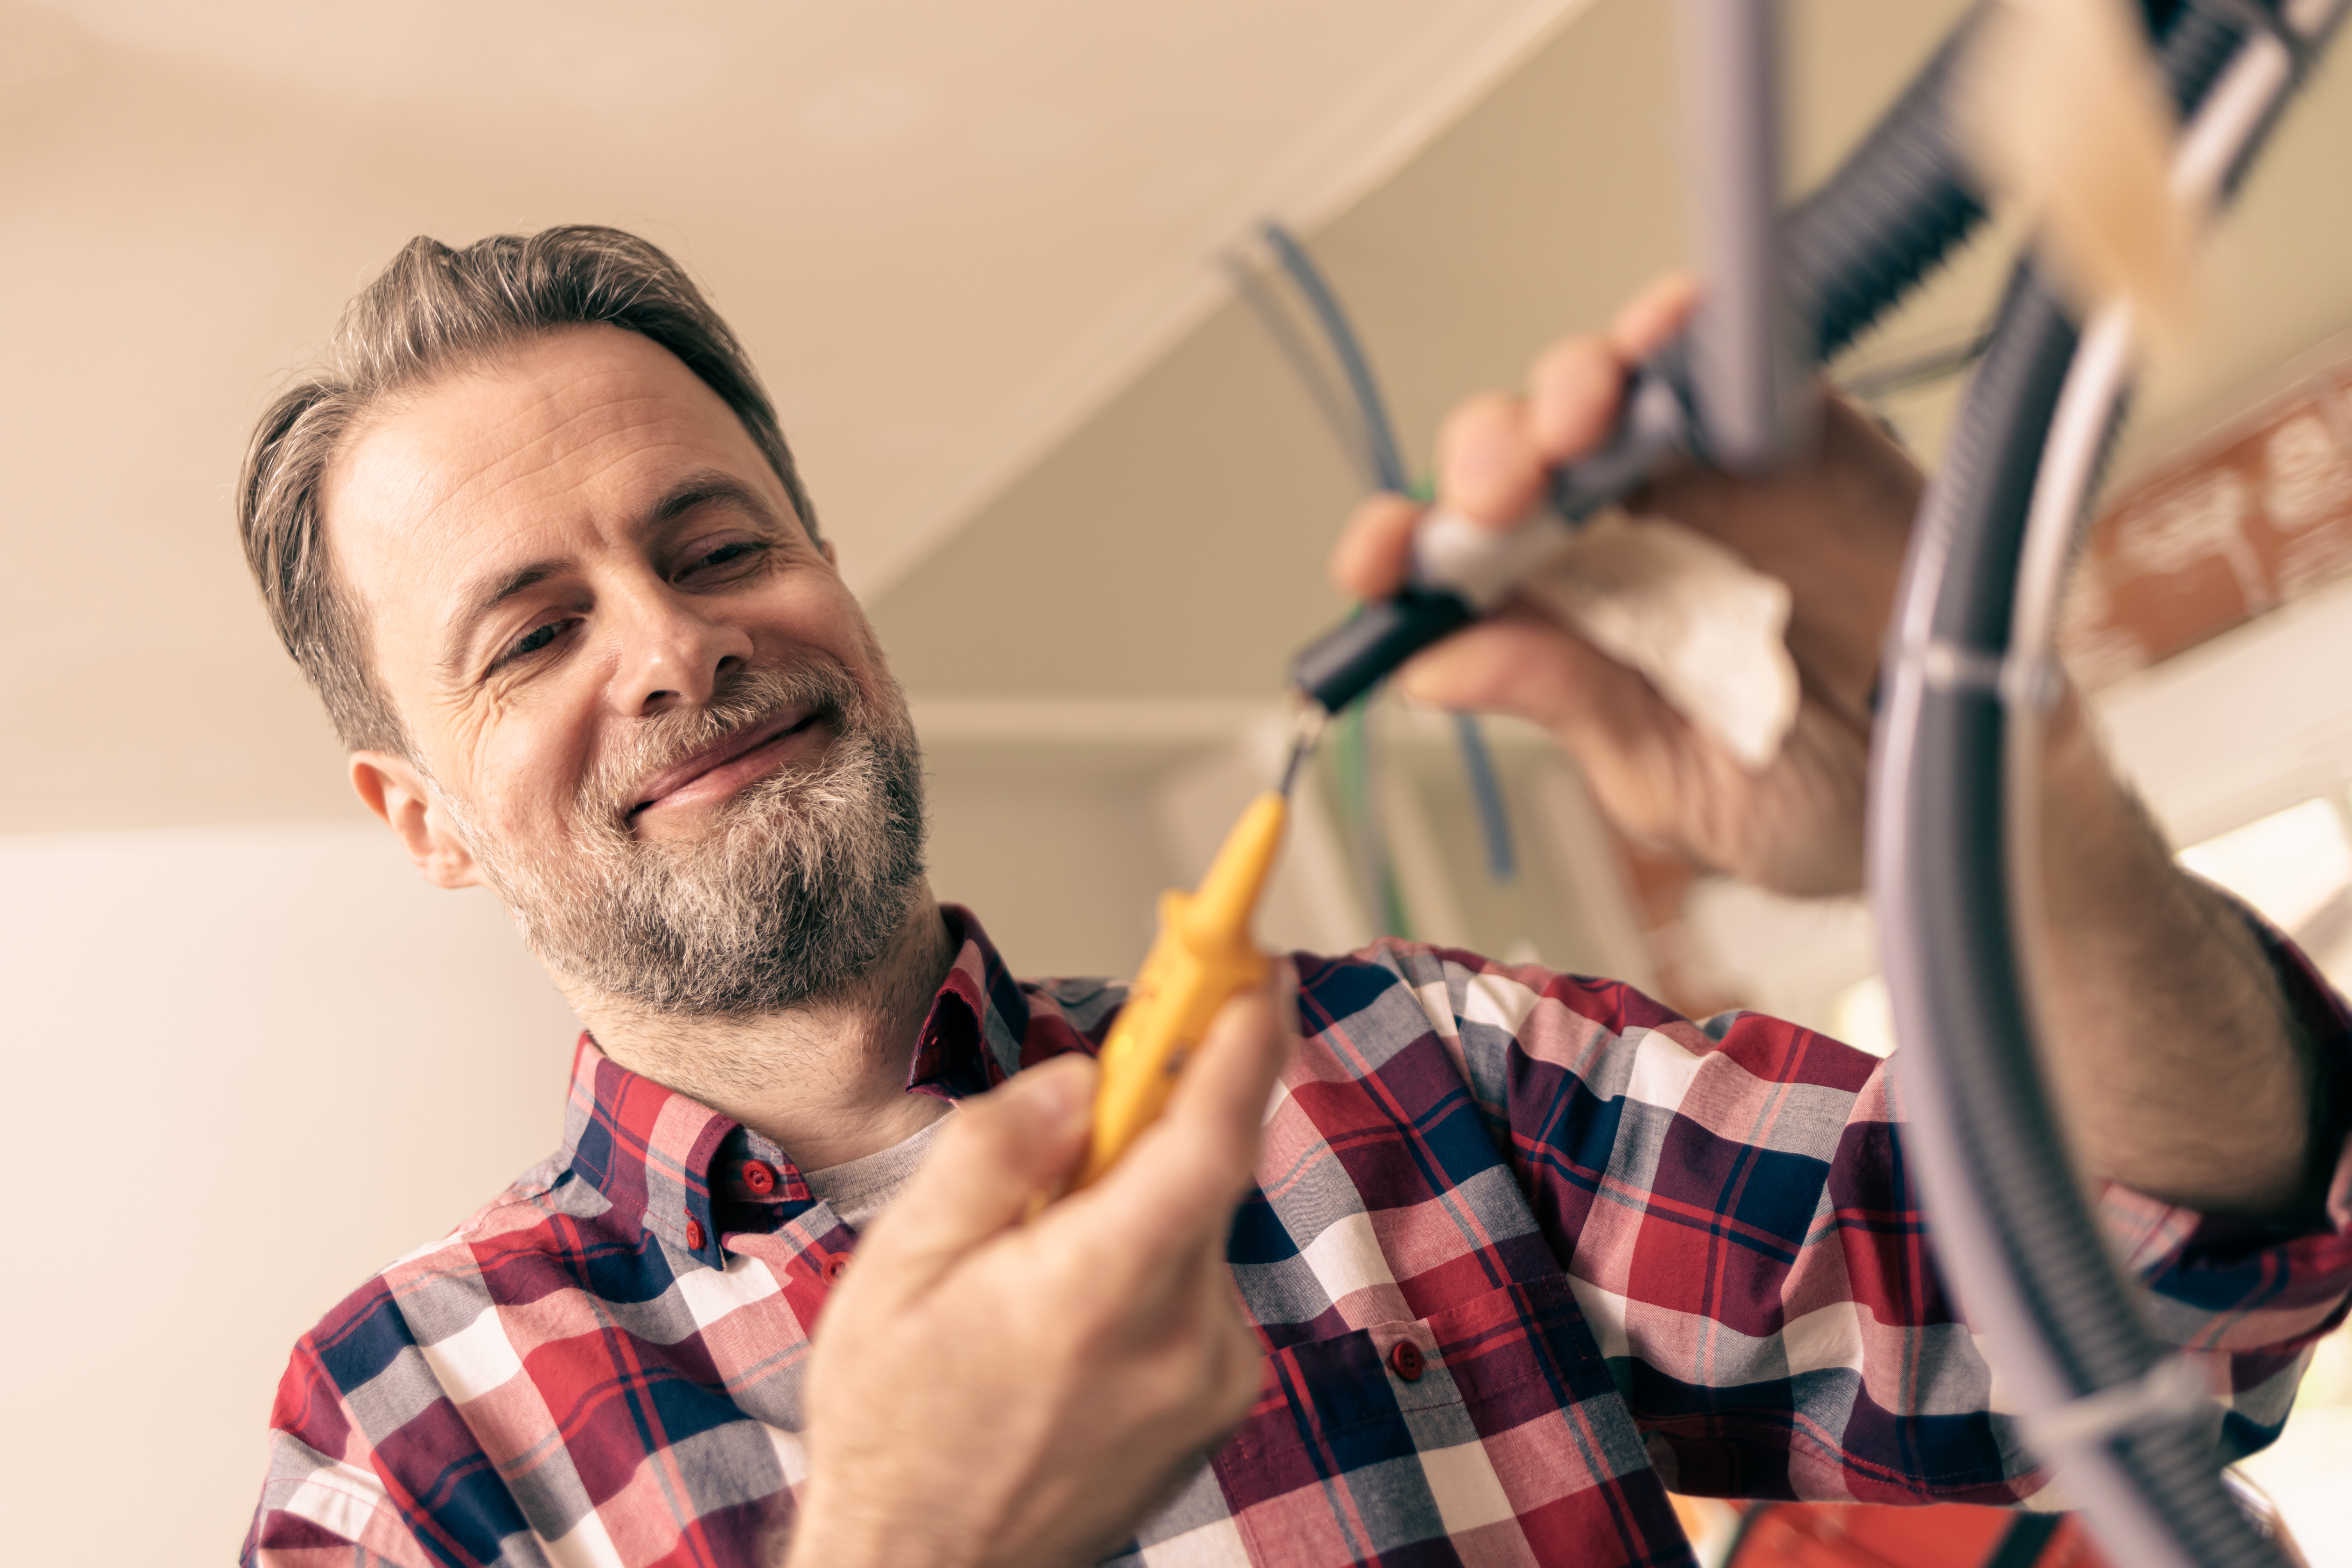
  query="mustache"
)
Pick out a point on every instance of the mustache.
point(740, 700)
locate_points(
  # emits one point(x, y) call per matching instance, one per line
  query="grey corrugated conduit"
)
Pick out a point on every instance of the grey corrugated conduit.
point(1954, 879)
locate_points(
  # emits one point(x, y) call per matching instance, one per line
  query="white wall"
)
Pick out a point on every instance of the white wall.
point(245, 1068)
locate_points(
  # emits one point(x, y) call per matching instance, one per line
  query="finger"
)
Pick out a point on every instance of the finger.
point(1653, 316)
point(1488, 466)
point(1375, 549)
point(1003, 1148)
point(1573, 393)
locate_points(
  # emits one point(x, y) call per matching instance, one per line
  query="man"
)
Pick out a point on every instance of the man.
point(1521, 1248)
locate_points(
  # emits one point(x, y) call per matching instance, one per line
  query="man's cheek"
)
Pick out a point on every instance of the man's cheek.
point(520, 801)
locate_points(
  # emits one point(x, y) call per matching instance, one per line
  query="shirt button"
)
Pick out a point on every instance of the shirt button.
point(1405, 1361)
point(693, 1234)
point(835, 1269)
point(760, 1176)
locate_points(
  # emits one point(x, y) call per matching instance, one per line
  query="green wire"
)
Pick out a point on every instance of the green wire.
point(1352, 767)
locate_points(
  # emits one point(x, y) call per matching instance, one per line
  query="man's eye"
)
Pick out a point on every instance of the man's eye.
point(531, 641)
point(734, 554)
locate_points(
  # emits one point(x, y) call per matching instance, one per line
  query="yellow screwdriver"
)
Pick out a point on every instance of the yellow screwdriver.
point(1204, 956)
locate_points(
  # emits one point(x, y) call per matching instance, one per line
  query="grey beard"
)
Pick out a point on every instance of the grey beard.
point(794, 891)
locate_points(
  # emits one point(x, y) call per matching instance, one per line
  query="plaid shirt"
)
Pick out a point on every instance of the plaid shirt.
point(1527, 1250)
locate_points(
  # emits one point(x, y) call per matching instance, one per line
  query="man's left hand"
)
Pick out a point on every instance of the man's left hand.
point(1833, 528)
point(2157, 991)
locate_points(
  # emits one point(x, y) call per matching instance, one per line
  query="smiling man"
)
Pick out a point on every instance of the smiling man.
point(1471, 1274)
point(540, 545)
point(635, 700)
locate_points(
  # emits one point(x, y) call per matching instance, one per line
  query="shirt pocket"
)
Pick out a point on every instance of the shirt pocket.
point(1493, 1422)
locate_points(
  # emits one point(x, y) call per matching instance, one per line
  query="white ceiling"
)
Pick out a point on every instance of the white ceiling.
point(946, 229)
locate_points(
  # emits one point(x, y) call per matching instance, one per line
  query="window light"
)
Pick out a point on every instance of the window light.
point(2288, 865)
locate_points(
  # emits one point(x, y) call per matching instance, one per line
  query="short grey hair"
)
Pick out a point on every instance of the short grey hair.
point(431, 311)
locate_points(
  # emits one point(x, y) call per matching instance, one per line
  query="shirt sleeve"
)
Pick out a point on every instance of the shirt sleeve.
point(323, 1501)
point(1732, 1204)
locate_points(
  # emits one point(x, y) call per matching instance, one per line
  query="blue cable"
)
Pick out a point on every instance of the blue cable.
point(1387, 467)
point(1486, 788)
point(1379, 434)
point(1339, 407)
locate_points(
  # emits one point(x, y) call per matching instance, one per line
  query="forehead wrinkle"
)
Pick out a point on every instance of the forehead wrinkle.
point(549, 449)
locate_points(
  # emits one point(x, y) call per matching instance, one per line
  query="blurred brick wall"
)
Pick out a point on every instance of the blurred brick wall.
point(2256, 517)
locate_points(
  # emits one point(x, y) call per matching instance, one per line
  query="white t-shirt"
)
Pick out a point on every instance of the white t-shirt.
point(861, 1188)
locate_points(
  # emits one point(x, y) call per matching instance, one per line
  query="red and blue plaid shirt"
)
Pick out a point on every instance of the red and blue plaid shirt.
point(1527, 1250)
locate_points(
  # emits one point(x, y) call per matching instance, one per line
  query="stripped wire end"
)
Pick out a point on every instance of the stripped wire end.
point(1306, 729)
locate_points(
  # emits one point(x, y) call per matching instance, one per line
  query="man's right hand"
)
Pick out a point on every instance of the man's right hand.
point(984, 1390)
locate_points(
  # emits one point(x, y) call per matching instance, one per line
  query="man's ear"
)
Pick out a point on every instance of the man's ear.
point(395, 791)
point(831, 558)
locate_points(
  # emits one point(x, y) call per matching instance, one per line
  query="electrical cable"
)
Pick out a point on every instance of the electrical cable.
point(1346, 415)
point(1379, 434)
point(1901, 201)
point(1377, 440)
point(1486, 790)
point(1873, 229)
point(1342, 416)
point(1970, 672)
point(1917, 370)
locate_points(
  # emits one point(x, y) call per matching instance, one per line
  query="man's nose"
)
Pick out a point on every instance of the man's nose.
point(672, 652)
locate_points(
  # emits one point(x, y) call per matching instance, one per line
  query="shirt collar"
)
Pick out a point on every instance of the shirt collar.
point(688, 1171)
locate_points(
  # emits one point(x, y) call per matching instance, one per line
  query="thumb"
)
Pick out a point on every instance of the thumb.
point(1003, 1148)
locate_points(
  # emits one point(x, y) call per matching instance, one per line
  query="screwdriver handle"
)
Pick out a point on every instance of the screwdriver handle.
point(1342, 665)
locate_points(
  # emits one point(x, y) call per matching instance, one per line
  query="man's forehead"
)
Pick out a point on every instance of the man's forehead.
point(586, 409)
